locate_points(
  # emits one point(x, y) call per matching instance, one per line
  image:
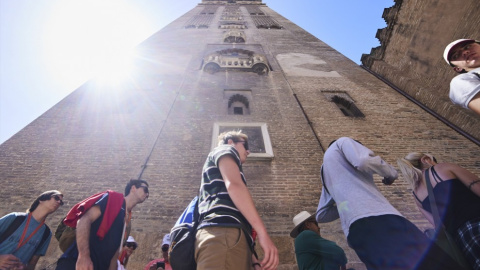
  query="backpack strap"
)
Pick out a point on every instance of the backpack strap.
point(323, 182)
point(476, 73)
point(13, 226)
point(45, 235)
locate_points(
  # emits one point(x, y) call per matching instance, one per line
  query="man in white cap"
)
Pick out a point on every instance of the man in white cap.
point(161, 263)
point(464, 56)
point(313, 251)
point(165, 246)
point(128, 248)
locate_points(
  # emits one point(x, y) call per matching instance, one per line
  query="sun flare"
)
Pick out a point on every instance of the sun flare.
point(92, 38)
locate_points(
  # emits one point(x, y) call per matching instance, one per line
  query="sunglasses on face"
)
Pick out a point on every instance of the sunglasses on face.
point(145, 189)
point(131, 245)
point(245, 144)
point(58, 198)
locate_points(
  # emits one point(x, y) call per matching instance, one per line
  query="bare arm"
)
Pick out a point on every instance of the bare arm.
point(84, 262)
point(33, 262)
point(474, 104)
point(242, 199)
point(450, 171)
point(113, 262)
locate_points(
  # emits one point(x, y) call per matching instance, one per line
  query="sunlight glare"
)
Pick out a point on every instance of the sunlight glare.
point(92, 38)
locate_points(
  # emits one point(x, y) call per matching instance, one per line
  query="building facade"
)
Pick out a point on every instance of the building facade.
point(223, 65)
point(411, 55)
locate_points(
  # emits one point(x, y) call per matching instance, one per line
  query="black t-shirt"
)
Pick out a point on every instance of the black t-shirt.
point(102, 251)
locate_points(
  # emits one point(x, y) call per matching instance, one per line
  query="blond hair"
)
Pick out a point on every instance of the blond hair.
point(234, 135)
point(411, 168)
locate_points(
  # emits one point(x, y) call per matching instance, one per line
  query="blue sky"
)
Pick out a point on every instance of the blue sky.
point(50, 47)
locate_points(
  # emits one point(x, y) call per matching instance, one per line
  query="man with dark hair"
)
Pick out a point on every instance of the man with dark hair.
point(464, 56)
point(311, 249)
point(224, 237)
point(22, 245)
point(101, 222)
point(379, 234)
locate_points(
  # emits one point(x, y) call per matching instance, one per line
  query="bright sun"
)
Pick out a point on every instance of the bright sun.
point(92, 38)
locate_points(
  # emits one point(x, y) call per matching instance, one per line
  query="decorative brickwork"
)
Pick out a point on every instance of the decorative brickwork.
point(266, 22)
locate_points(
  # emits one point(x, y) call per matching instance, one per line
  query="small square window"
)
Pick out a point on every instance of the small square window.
point(258, 138)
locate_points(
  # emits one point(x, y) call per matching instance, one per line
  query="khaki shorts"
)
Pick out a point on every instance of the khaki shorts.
point(222, 248)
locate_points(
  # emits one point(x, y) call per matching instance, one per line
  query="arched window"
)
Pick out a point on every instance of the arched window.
point(348, 108)
point(238, 104)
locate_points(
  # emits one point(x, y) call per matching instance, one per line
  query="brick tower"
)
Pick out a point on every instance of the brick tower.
point(223, 65)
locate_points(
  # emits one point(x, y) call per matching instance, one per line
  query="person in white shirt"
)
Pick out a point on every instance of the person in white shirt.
point(379, 234)
point(464, 56)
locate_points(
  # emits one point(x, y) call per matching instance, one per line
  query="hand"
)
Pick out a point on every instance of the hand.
point(9, 261)
point(270, 260)
point(84, 263)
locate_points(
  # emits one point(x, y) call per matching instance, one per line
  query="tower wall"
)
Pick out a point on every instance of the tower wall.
point(159, 124)
point(411, 53)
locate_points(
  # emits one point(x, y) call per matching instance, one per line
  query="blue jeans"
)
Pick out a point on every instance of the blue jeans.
point(391, 242)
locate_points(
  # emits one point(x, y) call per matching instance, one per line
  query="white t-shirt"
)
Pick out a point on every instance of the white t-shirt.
point(464, 87)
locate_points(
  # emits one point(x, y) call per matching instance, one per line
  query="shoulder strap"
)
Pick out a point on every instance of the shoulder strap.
point(323, 182)
point(45, 235)
point(436, 177)
point(431, 197)
point(13, 226)
point(476, 73)
point(415, 195)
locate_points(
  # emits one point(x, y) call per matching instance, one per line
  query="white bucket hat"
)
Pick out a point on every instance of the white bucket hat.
point(131, 240)
point(446, 53)
point(298, 221)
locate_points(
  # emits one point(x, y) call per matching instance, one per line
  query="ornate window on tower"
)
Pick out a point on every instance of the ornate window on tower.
point(265, 22)
point(254, 10)
point(238, 101)
point(345, 103)
point(204, 19)
point(235, 60)
point(259, 142)
point(234, 37)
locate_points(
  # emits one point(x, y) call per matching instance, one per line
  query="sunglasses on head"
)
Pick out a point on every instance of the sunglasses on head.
point(131, 245)
point(58, 198)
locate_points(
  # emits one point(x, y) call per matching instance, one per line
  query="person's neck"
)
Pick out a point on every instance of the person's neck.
point(130, 202)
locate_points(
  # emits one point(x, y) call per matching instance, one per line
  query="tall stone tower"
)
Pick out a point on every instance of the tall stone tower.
point(223, 65)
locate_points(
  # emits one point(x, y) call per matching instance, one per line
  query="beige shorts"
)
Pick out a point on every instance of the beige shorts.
point(222, 248)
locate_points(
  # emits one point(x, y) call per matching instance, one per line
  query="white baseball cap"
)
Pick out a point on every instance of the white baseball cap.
point(447, 54)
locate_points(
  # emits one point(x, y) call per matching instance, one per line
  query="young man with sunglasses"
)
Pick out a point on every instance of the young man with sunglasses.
point(464, 56)
point(22, 248)
point(224, 237)
point(128, 248)
point(102, 224)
